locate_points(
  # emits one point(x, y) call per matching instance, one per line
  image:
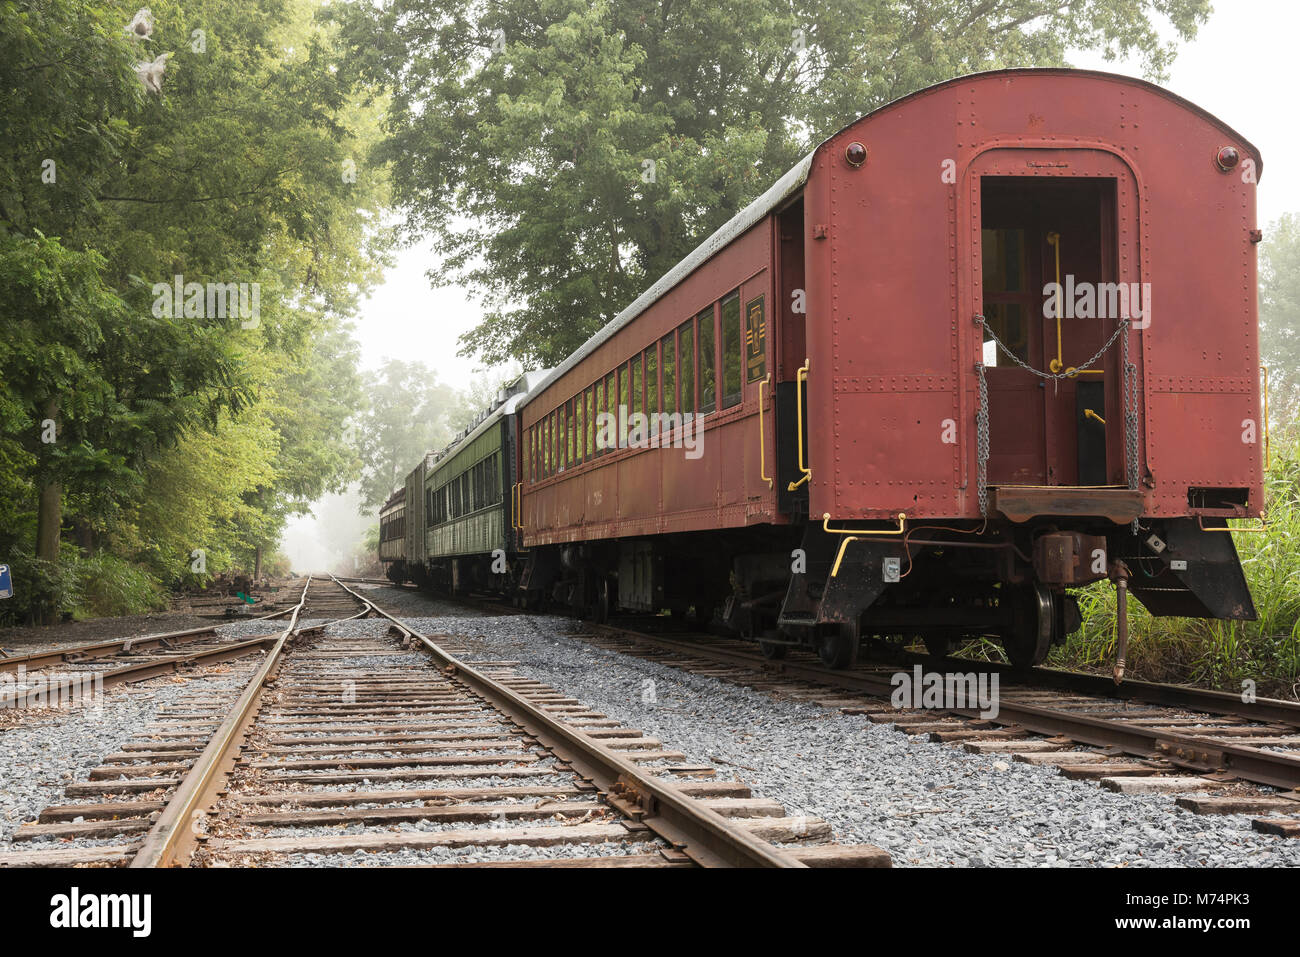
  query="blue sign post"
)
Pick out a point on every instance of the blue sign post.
point(6, 584)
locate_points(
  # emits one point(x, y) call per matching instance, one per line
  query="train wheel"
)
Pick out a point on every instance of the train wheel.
point(938, 645)
point(1034, 616)
point(773, 650)
point(838, 648)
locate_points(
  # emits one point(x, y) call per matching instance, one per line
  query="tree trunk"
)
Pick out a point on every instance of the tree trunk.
point(257, 564)
point(85, 535)
point(49, 517)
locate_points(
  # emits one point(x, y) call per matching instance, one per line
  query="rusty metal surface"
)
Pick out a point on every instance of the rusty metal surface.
point(894, 284)
point(1120, 505)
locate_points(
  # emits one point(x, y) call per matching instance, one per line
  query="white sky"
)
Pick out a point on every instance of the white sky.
point(1240, 67)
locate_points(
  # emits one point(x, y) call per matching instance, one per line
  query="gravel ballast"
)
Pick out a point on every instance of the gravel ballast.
point(926, 803)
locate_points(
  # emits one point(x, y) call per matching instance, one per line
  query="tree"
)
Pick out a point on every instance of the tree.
point(246, 164)
point(1279, 313)
point(410, 413)
point(565, 154)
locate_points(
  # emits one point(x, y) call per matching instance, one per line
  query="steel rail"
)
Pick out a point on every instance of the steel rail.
point(701, 833)
point(172, 832)
point(1192, 751)
point(105, 649)
point(70, 684)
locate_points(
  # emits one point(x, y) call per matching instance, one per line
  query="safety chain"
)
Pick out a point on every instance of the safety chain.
point(982, 442)
point(1129, 394)
point(1130, 421)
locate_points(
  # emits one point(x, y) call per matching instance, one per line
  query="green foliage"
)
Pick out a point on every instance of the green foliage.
point(107, 585)
point(410, 413)
point(175, 432)
point(521, 132)
point(1279, 313)
point(80, 586)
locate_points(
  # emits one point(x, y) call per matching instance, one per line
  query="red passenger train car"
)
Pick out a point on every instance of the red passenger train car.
point(990, 342)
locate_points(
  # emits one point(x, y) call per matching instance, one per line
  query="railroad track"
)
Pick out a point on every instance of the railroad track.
point(66, 674)
point(378, 740)
point(1203, 747)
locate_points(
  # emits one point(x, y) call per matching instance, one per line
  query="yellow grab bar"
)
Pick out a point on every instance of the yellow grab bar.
point(762, 435)
point(1261, 527)
point(800, 380)
point(1089, 414)
point(1268, 446)
point(853, 534)
point(1054, 240)
point(826, 527)
point(839, 556)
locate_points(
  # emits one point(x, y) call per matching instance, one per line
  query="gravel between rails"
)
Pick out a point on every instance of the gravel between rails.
point(47, 751)
point(926, 803)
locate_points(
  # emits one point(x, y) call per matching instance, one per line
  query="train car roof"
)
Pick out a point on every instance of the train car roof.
point(776, 195)
point(508, 399)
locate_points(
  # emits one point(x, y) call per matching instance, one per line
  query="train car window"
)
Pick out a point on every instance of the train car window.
point(730, 314)
point(652, 380)
point(623, 397)
point(686, 364)
point(569, 431)
point(669, 343)
point(591, 422)
point(564, 437)
point(708, 361)
point(1003, 254)
point(637, 384)
point(600, 407)
point(580, 405)
point(611, 405)
point(528, 457)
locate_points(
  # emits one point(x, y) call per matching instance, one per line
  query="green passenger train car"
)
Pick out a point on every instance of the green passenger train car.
point(460, 532)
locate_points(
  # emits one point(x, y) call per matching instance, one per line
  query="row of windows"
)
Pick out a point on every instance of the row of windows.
point(675, 376)
point(392, 527)
point(477, 487)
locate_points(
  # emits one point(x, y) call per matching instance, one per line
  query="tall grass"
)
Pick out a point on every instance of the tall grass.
point(1212, 653)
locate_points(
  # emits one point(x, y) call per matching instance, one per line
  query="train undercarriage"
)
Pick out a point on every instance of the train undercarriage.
point(785, 587)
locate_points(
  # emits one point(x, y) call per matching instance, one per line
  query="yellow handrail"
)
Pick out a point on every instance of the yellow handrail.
point(1261, 527)
point(1054, 240)
point(799, 383)
point(762, 435)
point(1268, 445)
point(854, 534)
point(826, 527)
point(839, 556)
point(1089, 414)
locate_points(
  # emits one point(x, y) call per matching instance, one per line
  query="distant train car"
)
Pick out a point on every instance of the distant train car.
point(990, 342)
point(392, 536)
point(460, 531)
